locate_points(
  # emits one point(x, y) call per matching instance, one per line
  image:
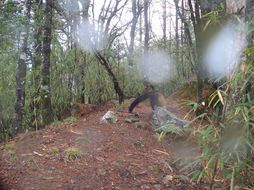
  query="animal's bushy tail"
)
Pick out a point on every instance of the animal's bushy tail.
point(140, 99)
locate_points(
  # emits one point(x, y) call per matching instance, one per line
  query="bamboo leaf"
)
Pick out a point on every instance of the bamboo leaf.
point(232, 179)
point(220, 97)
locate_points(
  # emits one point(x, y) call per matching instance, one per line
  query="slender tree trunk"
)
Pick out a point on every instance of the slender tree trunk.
point(177, 33)
point(36, 62)
point(187, 32)
point(197, 25)
point(164, 29)
point(170, 28)
point(85, 5)
point(140, 29)
point(21, 73)
point(249, 87)
point(37, 42)
point(182, 42)
point(105, 63)
point(146, 42)
point(101, 59)
point(135, 15)
point(45, 91)
point(83, 73)
point(198, 49)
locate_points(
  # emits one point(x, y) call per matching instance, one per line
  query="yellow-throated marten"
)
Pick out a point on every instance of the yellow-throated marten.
point(155, 97)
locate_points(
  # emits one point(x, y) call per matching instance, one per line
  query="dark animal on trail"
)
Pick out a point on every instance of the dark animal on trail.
point(155, 97)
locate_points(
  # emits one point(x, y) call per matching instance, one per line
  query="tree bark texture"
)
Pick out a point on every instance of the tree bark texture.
point(36, 63)
point(135, 15)
point(45, 91)
point(21, 72)
point(146, 42)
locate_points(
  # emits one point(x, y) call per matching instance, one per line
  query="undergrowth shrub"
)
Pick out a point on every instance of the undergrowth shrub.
point(226, 140)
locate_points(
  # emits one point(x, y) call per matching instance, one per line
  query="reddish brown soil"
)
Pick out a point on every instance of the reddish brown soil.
point(114, 156)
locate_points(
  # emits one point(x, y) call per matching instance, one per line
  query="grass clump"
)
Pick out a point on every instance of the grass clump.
point(57, 122)
point(7, 147)
point(155, 168)
point(31, 160)
point(73, 153)
point(139, 143)
point(11, 153)
point(54, 151)
point(121, 107)
point(70, 120)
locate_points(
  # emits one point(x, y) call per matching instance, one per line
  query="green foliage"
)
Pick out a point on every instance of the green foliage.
point(31, 160)
point(62, 78)
point(130, 80)
point(7, 147)
point(227, 146)
point(121, 107)
point(57, 122)
point(54, 151)
point(99, 87)
point(193, 106)
point(73, 153)
point(12, 20)
point(70, 120)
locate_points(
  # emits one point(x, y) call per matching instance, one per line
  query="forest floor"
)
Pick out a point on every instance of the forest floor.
point(81, 154)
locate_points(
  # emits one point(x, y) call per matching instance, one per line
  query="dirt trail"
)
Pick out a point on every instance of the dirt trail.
point(110, 156)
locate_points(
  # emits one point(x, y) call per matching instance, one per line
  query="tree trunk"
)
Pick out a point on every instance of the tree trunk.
point(135, 15)
point(140, 28)
point(164, 28)
point(36, 62)
point(176, 33)
point(187, 33)
point(146, 42)
point(104, 63)
point(21, 73)
point(45, 91)
point(110, 15)
point(83, 73)
point(249, 87)
point(198, 34)
point(85, 6)
point(37, 43)
point(182, 44)
point(197, 25)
